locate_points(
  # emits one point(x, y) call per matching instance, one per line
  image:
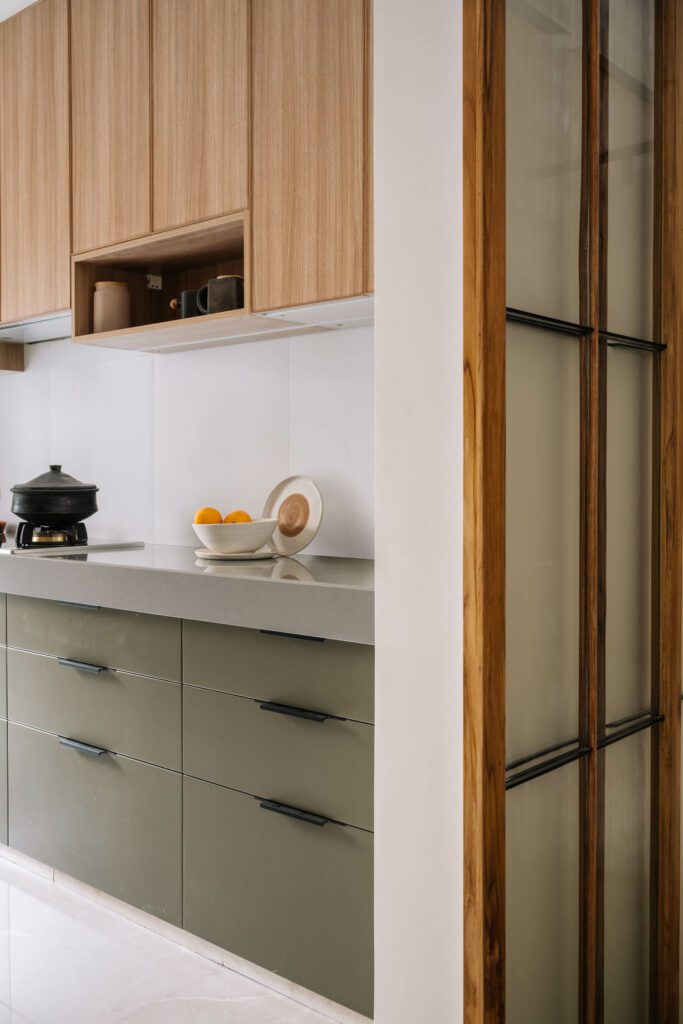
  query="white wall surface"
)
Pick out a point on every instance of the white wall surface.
point(162, 435)
point(418, 345)
point(10, 7)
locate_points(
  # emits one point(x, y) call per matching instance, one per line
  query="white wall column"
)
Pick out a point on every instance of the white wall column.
point(419, 384)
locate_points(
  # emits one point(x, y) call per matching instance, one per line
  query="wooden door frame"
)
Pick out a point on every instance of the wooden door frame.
point(484, 511)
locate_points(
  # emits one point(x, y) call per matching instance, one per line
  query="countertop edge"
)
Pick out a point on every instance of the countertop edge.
point(333, 612)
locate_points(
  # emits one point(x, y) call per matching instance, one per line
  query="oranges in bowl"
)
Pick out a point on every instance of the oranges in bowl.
point(235, 534)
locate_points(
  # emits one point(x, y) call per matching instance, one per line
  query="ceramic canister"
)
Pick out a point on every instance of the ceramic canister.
point(111, 306)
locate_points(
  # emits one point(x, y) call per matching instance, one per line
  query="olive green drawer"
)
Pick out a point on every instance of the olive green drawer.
point(292, 896)
point(325, 766)
point(135, 715)
point(148, 644)
point(3, 782)
point(110, 821)
point(3, 682)
point(334, 677)
point(3, 618)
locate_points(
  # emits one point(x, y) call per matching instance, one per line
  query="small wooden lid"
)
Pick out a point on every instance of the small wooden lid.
point(102, 284)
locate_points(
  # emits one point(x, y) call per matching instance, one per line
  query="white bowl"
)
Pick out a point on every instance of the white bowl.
point(235, 538)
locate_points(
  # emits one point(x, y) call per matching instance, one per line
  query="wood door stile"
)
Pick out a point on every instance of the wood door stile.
point(484, 513)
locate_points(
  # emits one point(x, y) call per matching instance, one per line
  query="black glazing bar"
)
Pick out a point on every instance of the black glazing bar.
point(540, 753)
point(624, 341)
point(546, 767)
point(645, 713)
point(623, 734)
point(546, 323)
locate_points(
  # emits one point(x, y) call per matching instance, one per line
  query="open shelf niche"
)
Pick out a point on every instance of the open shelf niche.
point(184, 258)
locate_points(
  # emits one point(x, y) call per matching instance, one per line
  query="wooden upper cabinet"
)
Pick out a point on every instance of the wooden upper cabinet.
point(110, 69)
point(310, 222)
point(200, 57)
point(35, 240)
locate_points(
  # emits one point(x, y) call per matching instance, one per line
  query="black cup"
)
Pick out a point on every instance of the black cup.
point(221, 294)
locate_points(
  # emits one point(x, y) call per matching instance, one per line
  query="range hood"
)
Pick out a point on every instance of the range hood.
point(53, 327)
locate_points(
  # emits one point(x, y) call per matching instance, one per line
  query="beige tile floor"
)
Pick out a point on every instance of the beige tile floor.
point(64, 959)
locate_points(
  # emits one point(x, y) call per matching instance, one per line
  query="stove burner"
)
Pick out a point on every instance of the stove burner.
point(44, 536)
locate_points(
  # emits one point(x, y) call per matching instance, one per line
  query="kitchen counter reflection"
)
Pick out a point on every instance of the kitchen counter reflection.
point(309, 594)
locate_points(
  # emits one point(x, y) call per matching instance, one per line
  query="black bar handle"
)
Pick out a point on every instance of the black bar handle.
point(83, 666)
point(82, 748)
point(286, 709)
point(294, 812)
point(80, 604)
point(292, 636)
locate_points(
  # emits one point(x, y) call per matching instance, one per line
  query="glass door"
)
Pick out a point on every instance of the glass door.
point(583, 380)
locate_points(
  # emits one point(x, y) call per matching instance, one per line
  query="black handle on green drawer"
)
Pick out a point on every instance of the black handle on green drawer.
point(285, 709)
point(82, 748)
point(294, 812)
point(292, 636)
point(84, 666)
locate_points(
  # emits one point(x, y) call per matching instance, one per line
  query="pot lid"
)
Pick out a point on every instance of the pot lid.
point(54, 480)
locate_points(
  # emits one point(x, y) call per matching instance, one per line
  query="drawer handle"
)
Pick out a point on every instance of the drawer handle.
point(286, 709)
point(84, 666)
point(294, 812)
point(293, 636)
point(82, 748)
point(79, 604)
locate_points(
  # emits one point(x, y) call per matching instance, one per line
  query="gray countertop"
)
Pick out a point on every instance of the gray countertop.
point(312, 595)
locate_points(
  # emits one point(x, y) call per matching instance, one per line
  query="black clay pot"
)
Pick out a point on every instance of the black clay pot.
point(54, 499)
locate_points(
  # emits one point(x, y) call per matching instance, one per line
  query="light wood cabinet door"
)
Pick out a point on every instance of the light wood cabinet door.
point(35, 241)
point(309, 115)
point(110, 69)
point(200, 102)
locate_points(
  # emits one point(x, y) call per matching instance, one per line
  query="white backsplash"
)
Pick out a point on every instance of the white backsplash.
point(161, 435)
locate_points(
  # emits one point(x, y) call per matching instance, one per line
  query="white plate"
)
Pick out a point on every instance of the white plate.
point(297, 505)
point(247, 556)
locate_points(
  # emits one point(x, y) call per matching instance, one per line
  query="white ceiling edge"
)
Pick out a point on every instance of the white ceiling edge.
point(10, 7)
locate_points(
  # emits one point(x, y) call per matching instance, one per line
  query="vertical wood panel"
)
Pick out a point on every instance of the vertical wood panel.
point(669, 324)
point(369, 155)
point(110, 89)
point(35, 187)
point(484, 509)
point(308, 72)
point(200, 54)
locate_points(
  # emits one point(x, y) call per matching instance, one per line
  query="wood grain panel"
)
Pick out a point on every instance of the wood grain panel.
point(11, 357)
point(111, 86)
point(308, 98)
point(200, 55)
point(668, 307)
point(35, 242)
point(484, 509)
point(369, 154)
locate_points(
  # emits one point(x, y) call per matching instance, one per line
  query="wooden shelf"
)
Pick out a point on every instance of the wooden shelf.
point(184, 258)
point(11, 357)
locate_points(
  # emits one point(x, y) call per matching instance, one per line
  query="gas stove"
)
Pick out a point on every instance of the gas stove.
point(40, 537)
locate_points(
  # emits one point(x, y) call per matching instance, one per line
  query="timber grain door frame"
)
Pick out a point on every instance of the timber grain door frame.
point(484, 517)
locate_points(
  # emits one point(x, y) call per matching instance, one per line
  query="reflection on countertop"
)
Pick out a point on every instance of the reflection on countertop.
point(357, 573)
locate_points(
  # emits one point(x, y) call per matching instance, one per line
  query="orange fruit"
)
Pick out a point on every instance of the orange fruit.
point(240, 516)
point(208, 515)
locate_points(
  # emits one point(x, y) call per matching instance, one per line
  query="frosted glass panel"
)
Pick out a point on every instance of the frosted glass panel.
point(542, 899)
point(629, 531)
point(543, 156)
point(627, 879)
point(543, 553)
point(630, 205)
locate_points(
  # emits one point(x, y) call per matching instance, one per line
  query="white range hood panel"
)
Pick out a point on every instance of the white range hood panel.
point(339, 315)
point(43, 328)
